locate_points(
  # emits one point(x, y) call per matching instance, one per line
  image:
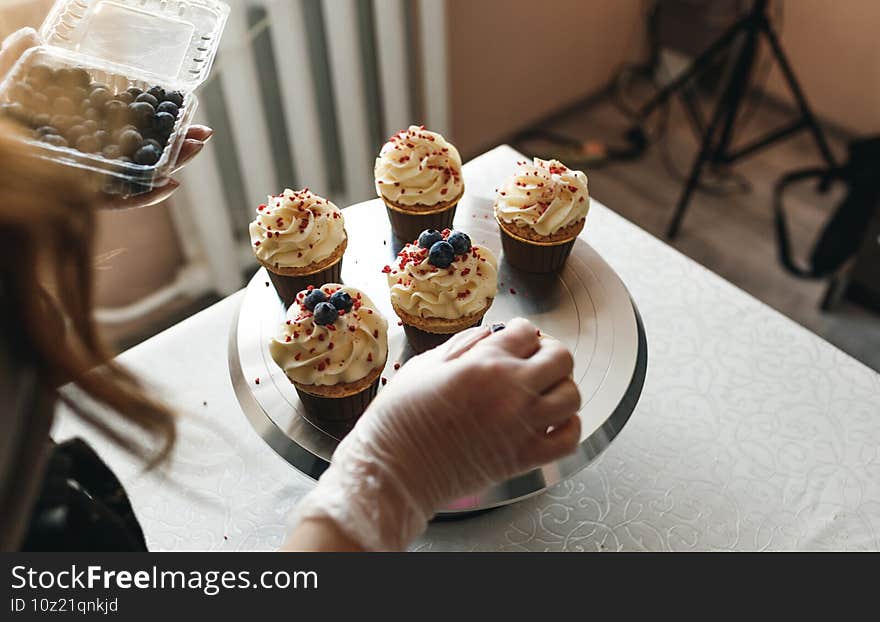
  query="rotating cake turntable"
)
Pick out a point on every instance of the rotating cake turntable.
point(586, 306)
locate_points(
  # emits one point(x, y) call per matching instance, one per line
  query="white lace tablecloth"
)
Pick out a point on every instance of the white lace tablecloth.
point(751, 433)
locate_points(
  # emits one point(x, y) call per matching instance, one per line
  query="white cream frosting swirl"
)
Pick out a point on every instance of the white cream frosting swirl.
point(296, 228)
point(418, 167)
point(467, 286)
point(345, 351)
point(544, 195)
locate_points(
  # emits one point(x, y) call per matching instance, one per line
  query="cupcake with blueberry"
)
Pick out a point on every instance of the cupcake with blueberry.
point(299, 238)
point(332, 346)
point(418, 176)
point(541, 210)
point(440, 285)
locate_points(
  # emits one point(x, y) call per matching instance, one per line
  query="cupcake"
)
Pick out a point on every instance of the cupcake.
point(440, 285)
point(541, 210)
point(418, 176)
point(332, 347)
point(299, 238)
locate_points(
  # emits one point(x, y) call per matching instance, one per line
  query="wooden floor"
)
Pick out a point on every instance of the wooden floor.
point(733, 234)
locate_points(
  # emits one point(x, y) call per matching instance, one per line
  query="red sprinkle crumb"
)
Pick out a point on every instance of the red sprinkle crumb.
point(384, 380)
point(397, 366)
point(513, 291)
point(257, 381)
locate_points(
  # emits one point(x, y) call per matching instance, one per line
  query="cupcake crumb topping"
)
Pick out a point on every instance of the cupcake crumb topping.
point(418, 167)
point(544, 195)
point(330, 336)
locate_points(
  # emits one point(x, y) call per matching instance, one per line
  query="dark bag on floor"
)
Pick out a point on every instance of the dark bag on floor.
point(842, 235)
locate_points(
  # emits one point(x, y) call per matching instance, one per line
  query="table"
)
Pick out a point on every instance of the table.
point(751, 434)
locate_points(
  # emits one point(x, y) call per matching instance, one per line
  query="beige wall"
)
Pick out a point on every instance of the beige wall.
point(513, 62)
point(833, 47)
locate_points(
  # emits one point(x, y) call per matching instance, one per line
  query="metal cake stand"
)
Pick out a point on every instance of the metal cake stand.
point(586, 306)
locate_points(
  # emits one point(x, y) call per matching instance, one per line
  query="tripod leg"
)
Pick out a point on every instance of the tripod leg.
point(806, 112)
point(704, 155)
point(699, 64)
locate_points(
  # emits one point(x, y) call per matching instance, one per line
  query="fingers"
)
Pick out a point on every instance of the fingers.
point(519, 338)
point(556, 406)
point(196, 138)
point(462, 342)
point(14, 46)
point(188, 151)
point(201, 133)
point(548, 366)
point(147, 199)
point(561, 442)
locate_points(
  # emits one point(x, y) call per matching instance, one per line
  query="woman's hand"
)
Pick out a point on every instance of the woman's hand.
point(197, 136)
point(479, 409)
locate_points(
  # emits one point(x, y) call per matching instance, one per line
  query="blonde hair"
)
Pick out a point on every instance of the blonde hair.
point(47, 230)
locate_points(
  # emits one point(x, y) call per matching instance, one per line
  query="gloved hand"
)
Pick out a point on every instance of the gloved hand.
point(479, 409)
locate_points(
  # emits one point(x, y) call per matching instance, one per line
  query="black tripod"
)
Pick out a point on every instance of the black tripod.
point(716, 141)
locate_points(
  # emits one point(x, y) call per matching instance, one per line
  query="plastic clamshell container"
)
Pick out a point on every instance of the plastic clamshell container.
point(125, 43)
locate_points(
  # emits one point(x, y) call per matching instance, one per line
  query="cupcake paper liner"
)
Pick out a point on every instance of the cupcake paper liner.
point(288, 286)
point(422, 341)
point(534, 257)
point(337, 415)
point(408, 225)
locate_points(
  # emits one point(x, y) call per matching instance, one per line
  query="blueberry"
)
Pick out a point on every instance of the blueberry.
point(40, 75)
point(429, 237)
point(54, 91)
point(78, 94)
point(147, 99)
point(158, 92)
point(141, 113)
point(90, 125)
point(63, 122)
point(313, 298)
point(129, 141)
point(64, 77)
point(175, 97)
point(103, 137)
point(88, 144)
point(99, 97)
point(134, 91)
point(91, 114)
point(40, 102)
point(117, 113)
point(152, 141)
point(325, 314)
point(41, 119)
point(75, 133)
point(64, 105)
point(342, 301)
point(111, 152)
point(460, 241)
point(54, 139)
point(147, 155)
point(441, 254)
point(80, 78)
point(163, 123)
point(125, 97)
point(169, 107)
point(45, 130)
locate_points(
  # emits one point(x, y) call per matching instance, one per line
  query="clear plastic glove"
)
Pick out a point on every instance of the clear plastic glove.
point(479, 409)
